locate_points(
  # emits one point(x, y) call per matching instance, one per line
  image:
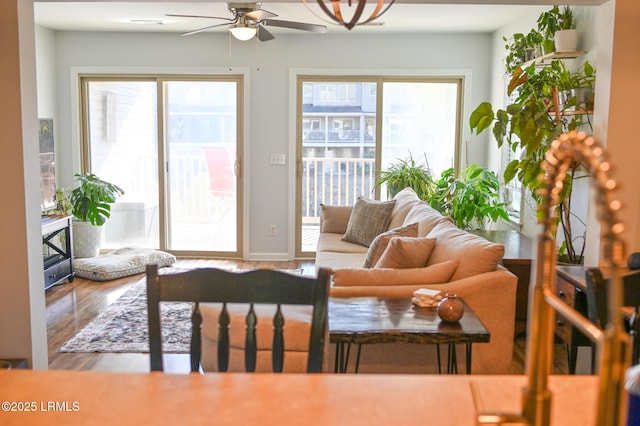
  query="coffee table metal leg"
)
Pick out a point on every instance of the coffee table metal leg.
point(452, 359)
point(358, 357)
point(468, 358)
point(342, 357)
point(438, 359)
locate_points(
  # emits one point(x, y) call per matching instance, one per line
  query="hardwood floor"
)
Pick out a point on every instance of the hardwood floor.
point(71, 306)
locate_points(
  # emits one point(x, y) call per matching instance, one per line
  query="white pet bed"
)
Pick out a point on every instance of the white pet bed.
point(120, 263)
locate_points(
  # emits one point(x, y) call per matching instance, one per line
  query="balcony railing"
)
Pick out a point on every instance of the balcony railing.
point(335, 181)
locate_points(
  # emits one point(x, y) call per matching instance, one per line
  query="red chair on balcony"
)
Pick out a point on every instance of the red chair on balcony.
point(222, 178)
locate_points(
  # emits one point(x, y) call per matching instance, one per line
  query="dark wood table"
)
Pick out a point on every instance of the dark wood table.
point(370, 320)
point(519, 251)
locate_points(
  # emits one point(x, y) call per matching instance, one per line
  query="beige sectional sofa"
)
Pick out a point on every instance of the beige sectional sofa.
point(418, 248)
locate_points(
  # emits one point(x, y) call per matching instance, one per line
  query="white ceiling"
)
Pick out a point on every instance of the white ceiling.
point(401, 17)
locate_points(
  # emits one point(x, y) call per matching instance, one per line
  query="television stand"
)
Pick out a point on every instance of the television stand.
point(57, 250)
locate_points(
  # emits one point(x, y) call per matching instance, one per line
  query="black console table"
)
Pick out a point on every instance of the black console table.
point(57, 250)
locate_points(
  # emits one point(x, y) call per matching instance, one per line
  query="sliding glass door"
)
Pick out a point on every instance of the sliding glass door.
point(172, 144)
point(350, 128)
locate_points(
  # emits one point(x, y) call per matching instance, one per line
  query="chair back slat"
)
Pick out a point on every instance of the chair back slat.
point(211, 285)
point(250, 344)
point(223, 339)
point(278, 342)
point(196, 338)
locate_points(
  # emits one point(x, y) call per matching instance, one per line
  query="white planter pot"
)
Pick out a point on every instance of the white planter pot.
point(566, 40)
point(87, 239)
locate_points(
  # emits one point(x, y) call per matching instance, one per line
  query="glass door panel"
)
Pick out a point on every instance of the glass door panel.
point(420, 119)
point(122, 134)
point(337, 154)
point(201, 133)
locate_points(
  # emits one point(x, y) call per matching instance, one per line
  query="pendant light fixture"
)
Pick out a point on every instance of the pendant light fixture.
point(333, 9)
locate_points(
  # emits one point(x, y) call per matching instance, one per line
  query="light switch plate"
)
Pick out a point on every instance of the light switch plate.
point(278, 159)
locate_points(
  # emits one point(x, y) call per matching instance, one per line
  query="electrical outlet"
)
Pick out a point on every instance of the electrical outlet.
point(273, 231)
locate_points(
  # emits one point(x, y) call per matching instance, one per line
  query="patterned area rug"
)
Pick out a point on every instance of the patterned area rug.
point(123, 327)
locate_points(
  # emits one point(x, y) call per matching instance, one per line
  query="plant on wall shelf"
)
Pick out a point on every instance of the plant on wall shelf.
point(470, 198)
point(533, 120)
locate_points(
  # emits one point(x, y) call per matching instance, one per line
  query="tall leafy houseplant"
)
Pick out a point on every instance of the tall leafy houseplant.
point(470, 198)
point(531, 123)
point(407, 173)
point(91, 206)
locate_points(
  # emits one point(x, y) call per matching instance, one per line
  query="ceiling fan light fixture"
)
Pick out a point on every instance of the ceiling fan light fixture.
point(243, 32)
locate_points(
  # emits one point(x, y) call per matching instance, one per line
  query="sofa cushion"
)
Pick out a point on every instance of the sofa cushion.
point(121, 262)
point(334, 260)
point(406, 252)
point(426, 216)
point(333, 242)
point(368, 219)
point(379, 243)
point(434, 274)
point(405, 200)
point(475, 254)
point(334, 218)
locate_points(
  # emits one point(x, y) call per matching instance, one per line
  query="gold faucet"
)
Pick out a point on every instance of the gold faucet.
point(613, 343)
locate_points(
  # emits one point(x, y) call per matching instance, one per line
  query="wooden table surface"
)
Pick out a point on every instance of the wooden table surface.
point(363, 320)
point(85, 398)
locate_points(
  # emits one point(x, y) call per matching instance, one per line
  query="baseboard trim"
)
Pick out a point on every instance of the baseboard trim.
point(269, 257)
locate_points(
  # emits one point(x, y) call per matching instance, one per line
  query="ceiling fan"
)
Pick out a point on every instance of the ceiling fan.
point(249, 20)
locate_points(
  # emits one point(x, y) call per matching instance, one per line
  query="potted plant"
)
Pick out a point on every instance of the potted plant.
point(521, 48)
point(558, 25)
point(530, 124)
point(470, 198)
point(407, 173)
point(91, 207)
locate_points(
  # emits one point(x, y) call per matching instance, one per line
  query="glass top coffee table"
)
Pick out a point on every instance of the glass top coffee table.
point(370, 320)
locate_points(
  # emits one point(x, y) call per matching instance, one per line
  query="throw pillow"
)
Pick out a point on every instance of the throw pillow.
point(434, 274)
point(380, 243)
point(406, 252)
point(334, 218)
point(475, 254)
point(368, 219)
point(405, 200)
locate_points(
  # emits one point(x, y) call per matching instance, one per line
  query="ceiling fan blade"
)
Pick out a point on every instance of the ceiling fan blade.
point(295, 25)
point(197, 16)
point(263, 34)
point(206, 28)
point(259, 15)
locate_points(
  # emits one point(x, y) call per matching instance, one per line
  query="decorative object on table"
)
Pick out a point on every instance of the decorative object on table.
point(450, 309)
point(91, 207)
point(426, 297)
point(633, 262)
point(5, 365)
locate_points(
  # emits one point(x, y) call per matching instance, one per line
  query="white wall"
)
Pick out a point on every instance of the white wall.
point(270, 117)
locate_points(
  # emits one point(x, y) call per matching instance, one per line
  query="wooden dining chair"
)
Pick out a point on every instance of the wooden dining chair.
point(262, 286)
point(597, 305)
